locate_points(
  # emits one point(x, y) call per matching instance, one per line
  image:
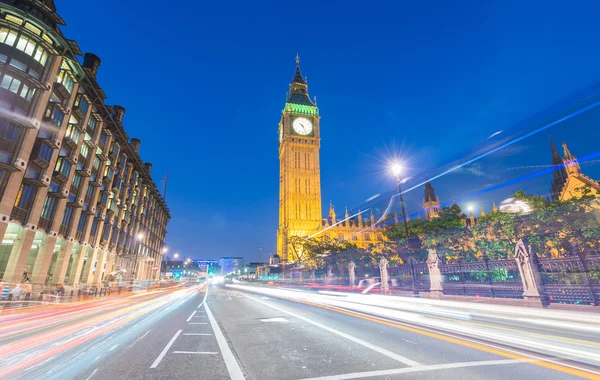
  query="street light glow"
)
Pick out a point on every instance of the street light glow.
point(165, 250)
point(140, 236)
point(176, 255)
point(396, 169)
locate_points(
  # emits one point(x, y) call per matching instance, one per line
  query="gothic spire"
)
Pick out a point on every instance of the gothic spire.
point(298, 76)
point(299, 88)
point(429, 192)
point(567, 154)
point(494, 207)
point(556, 159)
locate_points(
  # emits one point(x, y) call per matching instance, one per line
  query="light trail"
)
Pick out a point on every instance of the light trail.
point(69, 326)
point(496, 149)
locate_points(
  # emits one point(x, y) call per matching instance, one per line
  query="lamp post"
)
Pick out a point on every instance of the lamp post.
point(138, 239)
point(397, 170)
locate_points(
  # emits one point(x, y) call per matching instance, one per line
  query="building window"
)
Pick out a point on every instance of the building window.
point(63, 167)
point(306, 160)
point(26, 45)
point(297, 211)
point(45, 152)
point(367, 237)
point(65, 79)
point(54, 114)
point(8, 36)
point(10, 83)
point(307, 185)
point(82, 104)
point(25, 197)
point(66, 220)
point(49, 207)
point(81, 223)
point(15, 19)
point(27, 92)
point(18, 65)
point(92, 124)
point(85, 150)
point(296, 159)
point(308, 212)
point(297, 185)
point(33, 28)
point(76, 180)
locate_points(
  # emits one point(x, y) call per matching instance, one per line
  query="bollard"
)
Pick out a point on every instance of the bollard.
point(72, 293)
point(79, 293)
point(119, 292)
point(95, 292)
point(41, 297)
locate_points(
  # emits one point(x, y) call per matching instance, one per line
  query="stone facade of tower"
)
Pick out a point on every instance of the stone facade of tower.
point(568, 181)
point(431, 203)
point(300, 212)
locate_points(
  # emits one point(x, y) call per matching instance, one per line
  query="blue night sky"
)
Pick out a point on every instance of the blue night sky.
point(204, 83)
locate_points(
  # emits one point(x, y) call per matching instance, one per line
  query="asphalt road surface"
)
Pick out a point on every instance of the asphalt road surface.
point(243, 332)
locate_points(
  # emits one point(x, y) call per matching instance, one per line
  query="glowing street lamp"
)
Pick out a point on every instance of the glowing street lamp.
point(397, 171)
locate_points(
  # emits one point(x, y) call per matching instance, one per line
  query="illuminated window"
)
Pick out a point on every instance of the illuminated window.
point(367, 237)
point(8, 36)
point(49, 206)
point(297, 184)
point(10, 83)
point(85, 150)
point(18, 65)
point(308, 212)
point(48, 39)
point(33, 28)
point(307, 185)
point(15, 19)
point(26, 45)
point(27, 93)
point(64, 77)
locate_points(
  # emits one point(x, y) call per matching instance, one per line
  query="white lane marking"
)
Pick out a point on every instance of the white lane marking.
point(197, 353)
point(199, 316)
point(143, 336)
point(274, 320)
point(199, 306)
point(191, 316)
point(235, 372)
point(197, 323)
point(434, 367)
point(113, 347)
point(383, 351)
point(165, 350)
point(408, 341)
point(90, 376)
point(197, 334)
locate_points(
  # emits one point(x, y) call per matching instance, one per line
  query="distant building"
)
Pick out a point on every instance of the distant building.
point(568, 181)
point(231, 264)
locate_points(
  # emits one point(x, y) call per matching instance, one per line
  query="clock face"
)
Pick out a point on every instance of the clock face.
point(302, 126)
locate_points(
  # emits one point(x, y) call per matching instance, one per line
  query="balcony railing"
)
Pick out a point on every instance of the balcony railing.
point(19, 214)
point(44, 223)
point(63, 230)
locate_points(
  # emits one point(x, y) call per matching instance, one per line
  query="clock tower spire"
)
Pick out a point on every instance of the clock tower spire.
point(300, 211)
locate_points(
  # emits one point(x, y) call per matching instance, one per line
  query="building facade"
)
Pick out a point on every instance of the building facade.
point(231, 264)
point(76, 200)
point(300, 212)
point(568, 181)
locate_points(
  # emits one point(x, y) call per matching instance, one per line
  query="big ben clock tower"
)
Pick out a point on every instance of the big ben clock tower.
point(299, 169)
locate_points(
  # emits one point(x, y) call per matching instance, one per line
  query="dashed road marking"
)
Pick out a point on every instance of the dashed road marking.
point(165, 350)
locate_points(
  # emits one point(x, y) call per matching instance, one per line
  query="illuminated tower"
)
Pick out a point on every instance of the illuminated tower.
point(299, 169)
point(431, 203)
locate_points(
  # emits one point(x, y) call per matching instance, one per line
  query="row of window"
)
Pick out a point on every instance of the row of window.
point(15, 85)
point(302, 158)
point(297, 187)
point(27, 45)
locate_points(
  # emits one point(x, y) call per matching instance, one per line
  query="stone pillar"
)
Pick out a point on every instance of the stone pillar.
point(383, 265)
point(77, 266)
point(529, 271)
point(88, 274)
point(43, 259)
point(351, 274)
point(435, 276)
point(62, 262)
point(17, 262)
point(110, 263)
point(100, 267)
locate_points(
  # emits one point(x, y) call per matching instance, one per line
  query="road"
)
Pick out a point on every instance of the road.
point(251, 332)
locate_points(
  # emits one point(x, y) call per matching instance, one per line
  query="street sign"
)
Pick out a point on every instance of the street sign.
point(155, 268)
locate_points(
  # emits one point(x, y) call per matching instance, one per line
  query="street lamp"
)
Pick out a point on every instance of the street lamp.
point(138, 238)
point(396, 171)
